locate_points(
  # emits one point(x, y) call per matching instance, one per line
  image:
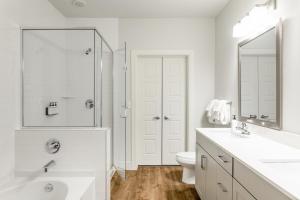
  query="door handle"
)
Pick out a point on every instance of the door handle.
point(202, 162)
point(156, 118)
point(166, 118)
point(222, 187)
point(223, 159)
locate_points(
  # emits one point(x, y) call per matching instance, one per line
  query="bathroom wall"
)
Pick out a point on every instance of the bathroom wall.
point(13, 14)
point(226, 56)
point(175, 34)
point(108, 28)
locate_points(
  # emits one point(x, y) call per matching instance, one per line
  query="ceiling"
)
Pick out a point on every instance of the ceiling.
point(142, 8)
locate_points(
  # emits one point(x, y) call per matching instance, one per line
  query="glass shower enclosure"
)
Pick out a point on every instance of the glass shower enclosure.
point(67, 78)
point(67, 81)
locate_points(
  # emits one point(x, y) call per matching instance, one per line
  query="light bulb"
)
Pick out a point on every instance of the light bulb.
point(259, 18)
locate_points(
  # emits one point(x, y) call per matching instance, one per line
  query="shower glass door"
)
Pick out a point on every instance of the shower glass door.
point(58, 77)
point(120, 111)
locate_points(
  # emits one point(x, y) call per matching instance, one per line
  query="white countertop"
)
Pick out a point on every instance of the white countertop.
point(274, 162)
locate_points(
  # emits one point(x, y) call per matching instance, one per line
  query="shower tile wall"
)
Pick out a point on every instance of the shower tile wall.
point(80, 78)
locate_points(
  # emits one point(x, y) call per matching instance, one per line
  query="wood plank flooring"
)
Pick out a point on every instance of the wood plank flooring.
point(152, 183)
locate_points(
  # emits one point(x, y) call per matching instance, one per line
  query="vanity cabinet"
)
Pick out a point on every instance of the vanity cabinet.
point(221, 176)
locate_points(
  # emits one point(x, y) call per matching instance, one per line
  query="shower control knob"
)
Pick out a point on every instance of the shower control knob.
point(53, 146)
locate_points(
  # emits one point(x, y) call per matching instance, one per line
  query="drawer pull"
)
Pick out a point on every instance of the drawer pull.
point(202, 162)
point(222, 187)
point(223, 159)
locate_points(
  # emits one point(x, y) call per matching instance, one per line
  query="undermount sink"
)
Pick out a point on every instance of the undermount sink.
point(288, 169)
point(283, 160)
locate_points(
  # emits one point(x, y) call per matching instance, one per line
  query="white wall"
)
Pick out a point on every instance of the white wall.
point(13, 14)
point(177, 34)
point(108, 28)
point(226, 56)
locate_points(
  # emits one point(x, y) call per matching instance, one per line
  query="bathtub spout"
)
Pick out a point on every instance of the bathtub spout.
point(48, 165)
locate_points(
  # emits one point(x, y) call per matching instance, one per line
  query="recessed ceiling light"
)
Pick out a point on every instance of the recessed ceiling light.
point(79, 3)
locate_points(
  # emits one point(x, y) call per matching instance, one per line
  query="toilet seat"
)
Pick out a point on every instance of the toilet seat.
point(186, 157)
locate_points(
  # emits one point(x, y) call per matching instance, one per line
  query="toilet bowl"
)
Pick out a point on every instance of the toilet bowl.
point(187, 160)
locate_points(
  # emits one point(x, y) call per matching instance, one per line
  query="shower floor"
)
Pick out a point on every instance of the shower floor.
point(152, 183)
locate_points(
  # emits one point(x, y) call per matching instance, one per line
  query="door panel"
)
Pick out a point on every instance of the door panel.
point(120, 111)
point(224, 184)
point(249, 95)
point(149, 106)
point(267, 88)
point(174, 108)
point(211, 180)
point(200, 175)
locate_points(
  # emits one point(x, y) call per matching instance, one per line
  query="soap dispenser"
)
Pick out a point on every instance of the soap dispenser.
point(52, 110)
point(234, 124)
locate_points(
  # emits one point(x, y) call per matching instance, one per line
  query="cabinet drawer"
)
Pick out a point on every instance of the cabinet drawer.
point(257, 186)
point(217, 153)
point(239, 193)
point(224, 184)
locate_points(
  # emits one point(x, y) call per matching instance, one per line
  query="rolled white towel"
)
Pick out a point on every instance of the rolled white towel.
point(225, 115)
point(210, 107)
point(218, 112)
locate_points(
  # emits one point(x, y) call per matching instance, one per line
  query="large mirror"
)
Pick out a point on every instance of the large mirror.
point(260, 79)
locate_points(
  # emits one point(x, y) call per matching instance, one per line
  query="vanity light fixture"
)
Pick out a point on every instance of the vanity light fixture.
point(261, 17)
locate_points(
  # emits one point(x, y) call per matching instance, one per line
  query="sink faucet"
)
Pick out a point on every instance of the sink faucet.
point(48, 165)
point(243, 128)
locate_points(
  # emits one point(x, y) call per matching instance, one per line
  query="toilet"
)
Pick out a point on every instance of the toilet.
point(187, 160)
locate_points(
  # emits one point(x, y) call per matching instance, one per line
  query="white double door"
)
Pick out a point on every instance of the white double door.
point(161, 109)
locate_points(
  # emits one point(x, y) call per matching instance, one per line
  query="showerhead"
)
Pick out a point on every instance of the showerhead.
point(88, 51)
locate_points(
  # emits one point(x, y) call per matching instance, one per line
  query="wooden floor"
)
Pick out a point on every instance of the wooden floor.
point(152, 183)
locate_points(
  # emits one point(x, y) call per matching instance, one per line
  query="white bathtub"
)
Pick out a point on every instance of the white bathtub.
point(50, 188)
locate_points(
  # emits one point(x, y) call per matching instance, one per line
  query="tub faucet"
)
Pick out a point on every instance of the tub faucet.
point(48, 165)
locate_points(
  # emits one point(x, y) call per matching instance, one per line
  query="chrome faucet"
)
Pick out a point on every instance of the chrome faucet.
point(48, 165)
point(243, 128)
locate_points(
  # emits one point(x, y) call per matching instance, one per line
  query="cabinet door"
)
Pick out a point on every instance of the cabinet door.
point(211, 178)
point(200, 171)
point(239, 193)
point(224, 184)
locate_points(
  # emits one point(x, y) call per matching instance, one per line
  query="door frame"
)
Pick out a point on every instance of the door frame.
point(189, 86)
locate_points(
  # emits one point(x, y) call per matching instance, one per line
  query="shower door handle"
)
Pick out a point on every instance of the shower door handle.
point(166, 118)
